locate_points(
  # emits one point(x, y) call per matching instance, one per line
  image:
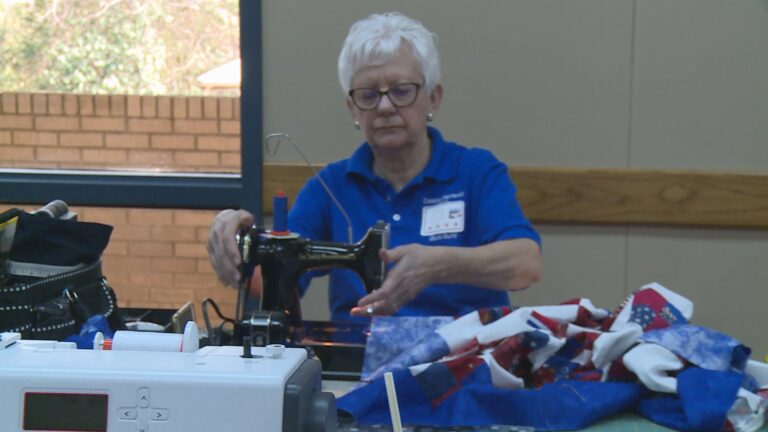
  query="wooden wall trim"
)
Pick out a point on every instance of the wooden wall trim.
point(609, 196)
point(640, 197)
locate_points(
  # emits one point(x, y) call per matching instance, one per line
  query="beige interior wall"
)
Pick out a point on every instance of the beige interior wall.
point(588, 83)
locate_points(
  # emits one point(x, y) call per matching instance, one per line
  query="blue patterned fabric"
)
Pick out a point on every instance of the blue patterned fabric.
point(565, 405)
point(701, 346)
point(398, 342)
point(702, 403)
point(533, 367)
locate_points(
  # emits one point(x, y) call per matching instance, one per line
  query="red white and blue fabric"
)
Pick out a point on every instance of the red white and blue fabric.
point(563, 366)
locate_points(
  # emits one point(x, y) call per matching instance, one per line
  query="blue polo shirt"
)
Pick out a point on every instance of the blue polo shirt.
point(463, 197)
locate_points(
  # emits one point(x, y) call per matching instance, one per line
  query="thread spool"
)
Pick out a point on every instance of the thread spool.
point(126, 340)
point(55, 209)
point(280, 214)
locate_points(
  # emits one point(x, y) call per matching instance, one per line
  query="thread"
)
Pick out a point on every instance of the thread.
point(55, 209)
point(146, 341)
point(280, 214)
point(126, 340)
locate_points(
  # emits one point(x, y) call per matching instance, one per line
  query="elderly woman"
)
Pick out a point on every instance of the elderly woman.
point(459, 240)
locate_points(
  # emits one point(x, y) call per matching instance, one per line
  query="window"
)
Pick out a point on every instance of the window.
point(57, 146)
point(75, 147)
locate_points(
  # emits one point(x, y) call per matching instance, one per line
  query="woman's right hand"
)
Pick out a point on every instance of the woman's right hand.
point(223, 251)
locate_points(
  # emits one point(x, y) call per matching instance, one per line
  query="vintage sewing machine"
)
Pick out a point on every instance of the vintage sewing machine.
point(285, 257)
point(282, 258)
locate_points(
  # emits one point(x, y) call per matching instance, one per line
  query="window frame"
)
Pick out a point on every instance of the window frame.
point(167, 190)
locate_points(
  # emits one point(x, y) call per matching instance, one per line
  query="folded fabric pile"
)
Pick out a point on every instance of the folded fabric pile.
point(564, 367)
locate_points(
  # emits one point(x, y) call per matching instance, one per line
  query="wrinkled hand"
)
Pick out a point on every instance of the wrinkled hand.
point(222, 247)
point(415, 267)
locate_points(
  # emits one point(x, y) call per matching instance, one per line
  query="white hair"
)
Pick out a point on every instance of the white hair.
point(377, 39)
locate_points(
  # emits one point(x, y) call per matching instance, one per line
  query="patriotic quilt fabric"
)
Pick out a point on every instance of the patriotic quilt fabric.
point(563, 366)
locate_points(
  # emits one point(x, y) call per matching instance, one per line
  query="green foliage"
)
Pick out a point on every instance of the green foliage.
point(114, 46)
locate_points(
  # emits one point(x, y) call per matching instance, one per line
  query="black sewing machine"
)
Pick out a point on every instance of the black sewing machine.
point(282, 258)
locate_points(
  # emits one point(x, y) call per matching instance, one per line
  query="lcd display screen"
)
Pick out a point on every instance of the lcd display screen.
point(77, 412)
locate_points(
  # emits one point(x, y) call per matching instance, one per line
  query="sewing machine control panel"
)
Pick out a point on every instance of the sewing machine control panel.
point(48, 386)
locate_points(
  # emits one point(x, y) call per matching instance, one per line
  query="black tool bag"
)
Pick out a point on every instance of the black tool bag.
point(51, 280)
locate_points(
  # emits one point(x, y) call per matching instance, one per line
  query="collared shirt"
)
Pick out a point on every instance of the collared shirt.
point(463, 197)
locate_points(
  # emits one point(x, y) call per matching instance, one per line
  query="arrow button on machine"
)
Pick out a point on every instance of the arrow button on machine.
point(158, 414)
point(143, 397)
point(126, 413)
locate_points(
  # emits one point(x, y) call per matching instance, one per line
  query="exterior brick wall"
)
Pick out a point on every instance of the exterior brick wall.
point(156, 258)
point(168, 133)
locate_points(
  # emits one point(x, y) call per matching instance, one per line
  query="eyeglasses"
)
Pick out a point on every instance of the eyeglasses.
point(401, 96)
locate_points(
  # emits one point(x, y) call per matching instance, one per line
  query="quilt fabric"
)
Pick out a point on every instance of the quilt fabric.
point(563, 366)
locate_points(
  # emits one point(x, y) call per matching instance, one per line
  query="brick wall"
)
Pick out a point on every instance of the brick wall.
point(156, 258)
point(170, 133)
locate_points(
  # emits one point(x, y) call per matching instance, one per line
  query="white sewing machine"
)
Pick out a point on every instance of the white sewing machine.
point(50, 386)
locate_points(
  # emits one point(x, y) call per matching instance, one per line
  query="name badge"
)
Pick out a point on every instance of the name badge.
point(446, 217)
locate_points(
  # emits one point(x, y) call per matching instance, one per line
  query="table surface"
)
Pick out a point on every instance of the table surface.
point(623, 422)
point(626, 422)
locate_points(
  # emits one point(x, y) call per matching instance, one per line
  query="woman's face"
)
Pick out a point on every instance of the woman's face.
point(388, 127)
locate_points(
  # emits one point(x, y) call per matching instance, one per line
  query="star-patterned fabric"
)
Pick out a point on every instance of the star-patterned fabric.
point(506, 351)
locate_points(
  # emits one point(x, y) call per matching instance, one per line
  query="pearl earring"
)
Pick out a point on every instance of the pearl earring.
point(430, 117)
point(357, 125)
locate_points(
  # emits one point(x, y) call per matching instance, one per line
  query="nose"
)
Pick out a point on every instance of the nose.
point(385, 104)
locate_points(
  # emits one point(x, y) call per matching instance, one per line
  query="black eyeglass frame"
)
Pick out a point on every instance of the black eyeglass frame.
point(381, 94)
